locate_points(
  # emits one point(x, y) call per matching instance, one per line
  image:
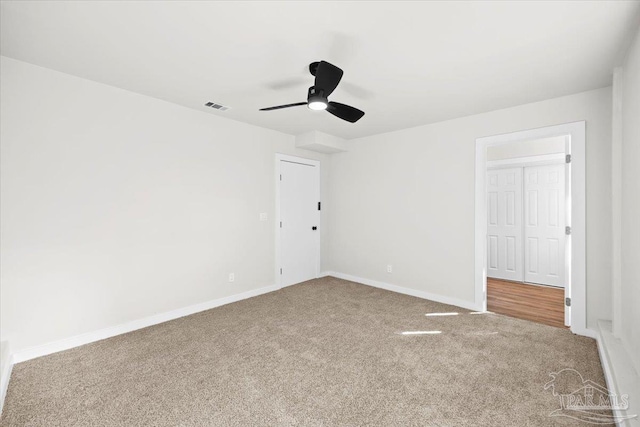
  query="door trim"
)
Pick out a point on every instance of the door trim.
point(300, 160)
point(576, 283)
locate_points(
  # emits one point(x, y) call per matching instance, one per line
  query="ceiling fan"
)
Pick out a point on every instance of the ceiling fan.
point(327, 78)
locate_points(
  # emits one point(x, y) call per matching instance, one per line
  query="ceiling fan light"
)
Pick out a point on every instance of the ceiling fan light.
point(317, 105)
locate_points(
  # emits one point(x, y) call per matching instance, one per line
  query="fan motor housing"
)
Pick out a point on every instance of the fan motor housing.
point(316, 95)
point(316, 99)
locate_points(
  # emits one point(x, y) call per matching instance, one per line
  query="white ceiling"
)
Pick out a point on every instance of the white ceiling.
point(405, 63)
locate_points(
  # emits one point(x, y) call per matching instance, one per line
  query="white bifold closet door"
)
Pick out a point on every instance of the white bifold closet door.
point(544, 225)
point(504, 229)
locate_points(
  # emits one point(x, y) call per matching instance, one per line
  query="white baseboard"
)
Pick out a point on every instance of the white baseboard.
point(89, 337)
point(4, 380)
point(619, 372)
point(407, 291)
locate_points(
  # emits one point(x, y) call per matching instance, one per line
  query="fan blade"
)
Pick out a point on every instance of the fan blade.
point(283, 106)
point(327, 77)
point(345, 112)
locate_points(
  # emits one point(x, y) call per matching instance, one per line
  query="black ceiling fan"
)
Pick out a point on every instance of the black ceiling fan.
point(327, 78)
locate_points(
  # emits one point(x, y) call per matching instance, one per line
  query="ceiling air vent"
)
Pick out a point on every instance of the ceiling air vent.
point(216, 106)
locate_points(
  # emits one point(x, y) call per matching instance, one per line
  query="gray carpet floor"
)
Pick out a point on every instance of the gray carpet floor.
point(325, 352)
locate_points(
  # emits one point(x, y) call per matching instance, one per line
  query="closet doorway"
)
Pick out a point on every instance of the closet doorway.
point(575, 290)
point(528, 198)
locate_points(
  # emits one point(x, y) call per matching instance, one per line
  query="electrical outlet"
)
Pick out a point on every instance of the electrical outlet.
point(389, 268)
point(232, 277)
point(263, 216)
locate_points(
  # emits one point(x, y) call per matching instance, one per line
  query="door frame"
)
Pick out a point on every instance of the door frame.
point(294, 159)
point(576, 274)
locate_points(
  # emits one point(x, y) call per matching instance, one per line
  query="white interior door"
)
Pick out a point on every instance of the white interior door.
point(299, 222)
point(504, 228)
point(544, 224)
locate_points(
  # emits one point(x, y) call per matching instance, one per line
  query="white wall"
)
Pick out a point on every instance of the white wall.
point(406, 198)
point(116, 206)
point(630, 202)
